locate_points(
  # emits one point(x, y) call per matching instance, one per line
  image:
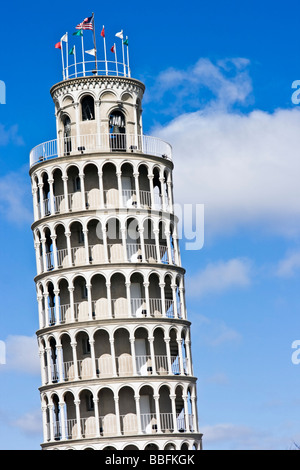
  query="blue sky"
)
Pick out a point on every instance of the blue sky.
point(218, 88)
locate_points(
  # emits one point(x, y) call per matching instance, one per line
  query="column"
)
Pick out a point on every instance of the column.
point(74, 351)
point(68, 237)
point(77, 405)
point(42, 207)
point(150, 177)
point(173, 398)
point(35, 204)
point(66, 197)
point(100, 175)
point(45, 265)
point(163, 300)
point(113, 357)
point(132, 349)
point(156, 235)
point(179, 343)
point(93, 357)
point(55, 258)
point(45, 424)
point(119, 177)
point(52, 208)
point(56, 303)
point(186, 413)
point(156, 399)
point(174, 289)
point(137, 189)
point(96, 408)
point(63, 420)
point(146, 285)
point(46, 309)
point(141, 232)
point(104, 231)
point(60, 362)
point(163, 195)
point(71, 291)
point(138, 413)
point(151, 343)
point(170, 258)
point(167, 341)
point(118, 415)
point(86, 245)
point(82, 189)
point(50, 408)
point(89, 298)
point(124, 244)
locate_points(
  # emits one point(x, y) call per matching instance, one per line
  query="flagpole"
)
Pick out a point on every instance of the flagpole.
point(104, 42)
point(124, 68)
point(83, 64)
point(62, 58)
point(67, 53)
point(129, 74)
point(75, 61)
point(93, 20)
point(116, 59)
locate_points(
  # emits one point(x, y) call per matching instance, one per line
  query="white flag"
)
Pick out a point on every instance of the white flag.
point(91, 52)
point(65, 37)
point(120, 34)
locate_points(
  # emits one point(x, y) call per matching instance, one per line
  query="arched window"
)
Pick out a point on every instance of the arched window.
point(117, 131)
point(67, 135)
point(88, 108)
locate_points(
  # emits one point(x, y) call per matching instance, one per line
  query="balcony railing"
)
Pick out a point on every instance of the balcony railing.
point(126, 425)
point(84, 144)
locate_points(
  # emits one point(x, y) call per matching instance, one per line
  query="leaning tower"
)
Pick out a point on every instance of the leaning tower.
point(114, 338)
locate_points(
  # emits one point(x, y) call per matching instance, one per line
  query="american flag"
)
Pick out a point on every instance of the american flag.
point(86, 24)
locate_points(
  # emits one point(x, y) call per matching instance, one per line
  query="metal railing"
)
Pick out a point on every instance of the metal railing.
point(107, 142)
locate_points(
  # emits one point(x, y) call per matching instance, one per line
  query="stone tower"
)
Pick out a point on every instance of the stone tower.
point(113, 336)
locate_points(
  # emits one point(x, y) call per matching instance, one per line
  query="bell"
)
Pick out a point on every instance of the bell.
point(116, 130)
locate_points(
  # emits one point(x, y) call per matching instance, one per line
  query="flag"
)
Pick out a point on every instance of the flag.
point(72, 50)
point(91, 52)
point(103, 32)
point(78, 33)
point(65, 37)
point(86, 24)
point(113, 49)
point(120, 34)
point(58, 45)
point(126, 42)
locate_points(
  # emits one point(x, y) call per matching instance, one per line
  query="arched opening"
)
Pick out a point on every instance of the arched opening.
point(87, 414)
point(123, 353)
point(149, 240)
point(128, 186)
point(128, 417)
point(66, 121)
point(96, 246)
point(87, 108)
point(74, 189)
point(118, 296)
point(100, 307)
point(165, 409)
point(117, 131)
point(160, 352)
point(58, 191)
point(114, 241)
point(92, 186)
point(133, 242)
point(81, 307)
point(155, 296)
point(61, 247)
point(107, 413)
point(68, 361)
point(103, 354)
point(77, 244)
point(144, 186)
point(147, 407)
point(64, 301)
point(84, 361)
point(142, 352)
point(110, 186)
point(137, 296)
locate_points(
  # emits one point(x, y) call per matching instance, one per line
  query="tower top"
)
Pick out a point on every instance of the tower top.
point(74, 51)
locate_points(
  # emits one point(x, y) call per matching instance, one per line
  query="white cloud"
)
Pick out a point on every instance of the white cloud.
point(10, 135)
point(244, 167)
point(15, 197)
point(30, 423)
point(288, 266)
point(22, 354)
point(220, 276)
